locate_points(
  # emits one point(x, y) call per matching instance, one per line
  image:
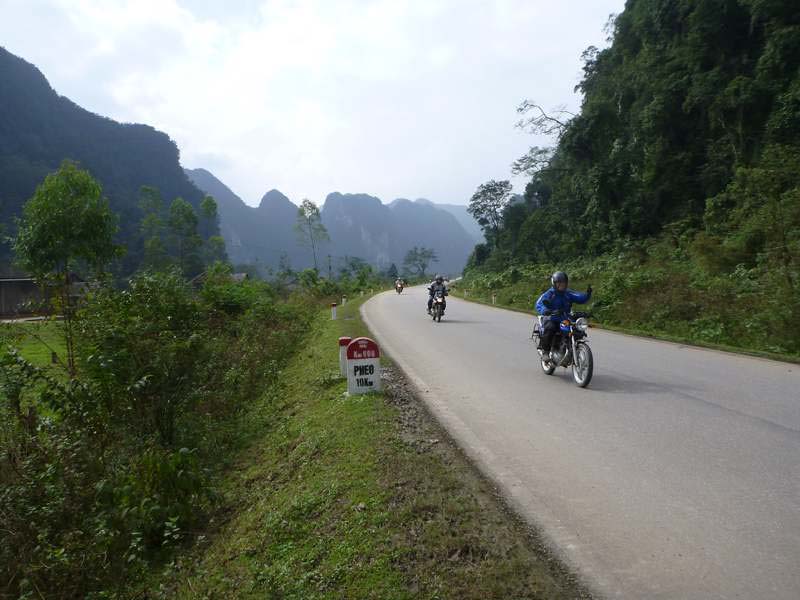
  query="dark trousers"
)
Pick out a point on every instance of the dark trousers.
point(551, 328)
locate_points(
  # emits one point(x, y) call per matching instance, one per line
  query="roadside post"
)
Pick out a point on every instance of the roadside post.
point(363, 366)
point(333, 311)
point(494, 299)
point(343, 343)
point(344, 300)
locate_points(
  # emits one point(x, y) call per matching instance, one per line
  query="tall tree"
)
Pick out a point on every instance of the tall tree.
point(309, 227)
point(208, 217)
point(214, 245)
point(185, 240)
point(418, 259)
point(152, 228)
point(487, 206)
point(67, 223)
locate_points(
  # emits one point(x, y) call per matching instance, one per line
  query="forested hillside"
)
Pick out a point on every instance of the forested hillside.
point(681, 171)
point(39, 129)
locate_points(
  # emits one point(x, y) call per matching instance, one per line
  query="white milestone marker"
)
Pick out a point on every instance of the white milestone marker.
point(363, 366)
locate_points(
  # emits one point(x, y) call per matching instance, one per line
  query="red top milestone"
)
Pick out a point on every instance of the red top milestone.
point(362, 348)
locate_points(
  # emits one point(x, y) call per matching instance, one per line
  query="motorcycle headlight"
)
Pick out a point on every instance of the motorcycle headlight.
point(582, 324)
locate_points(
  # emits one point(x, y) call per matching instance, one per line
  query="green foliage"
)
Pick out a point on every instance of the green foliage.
point(487, 205)
point(185, 241)
point(153, 229)
point(106, 473)
point(686, 96)
point(66, 221)
point(309, 227)
point(679, 179)
point(41, 128)
point(418, 259)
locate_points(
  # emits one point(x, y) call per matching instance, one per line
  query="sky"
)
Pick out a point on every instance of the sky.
point(411, 99)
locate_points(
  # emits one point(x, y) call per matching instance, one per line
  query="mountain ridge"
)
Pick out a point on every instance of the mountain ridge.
point(359, 224)
point(39, 129)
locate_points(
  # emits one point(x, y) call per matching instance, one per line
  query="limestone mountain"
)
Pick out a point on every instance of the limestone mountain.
point(359, 226)
point(39, 129)
point(254, 235)
point(260, 235)
point(466, 220)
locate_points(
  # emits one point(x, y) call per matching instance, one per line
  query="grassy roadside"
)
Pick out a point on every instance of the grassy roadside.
point(35, 340)
point(472, 296)
point(361, 497)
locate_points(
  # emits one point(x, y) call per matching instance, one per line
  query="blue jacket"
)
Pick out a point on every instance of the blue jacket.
point(560, 301)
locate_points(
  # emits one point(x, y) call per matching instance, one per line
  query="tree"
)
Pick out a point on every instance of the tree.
point(418, 259)
point(215, 250)
point(309, 227)
point(185, 240)
point(66, 223)
point(542, 123)
point(391, 272)
point(208, 216)
point(351, 266)
point(487, 205)
point(152, 228)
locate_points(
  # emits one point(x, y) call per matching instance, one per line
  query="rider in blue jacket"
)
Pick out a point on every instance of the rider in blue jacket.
point(554, 303)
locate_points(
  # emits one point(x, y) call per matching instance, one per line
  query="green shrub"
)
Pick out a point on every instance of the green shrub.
point(108, 472)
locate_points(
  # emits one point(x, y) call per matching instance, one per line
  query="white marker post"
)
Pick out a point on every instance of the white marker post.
point(333, 311)
point(343, 343)
point(494, 299)
point(363, 366)
point(344, 300)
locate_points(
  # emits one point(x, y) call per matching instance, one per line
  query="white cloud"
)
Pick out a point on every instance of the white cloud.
point(393, 98)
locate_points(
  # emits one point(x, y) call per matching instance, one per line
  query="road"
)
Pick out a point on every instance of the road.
point(675, 474)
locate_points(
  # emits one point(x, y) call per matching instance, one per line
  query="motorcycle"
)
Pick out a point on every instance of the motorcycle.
point(438, 306)
point(398, 288)
point(569, 348)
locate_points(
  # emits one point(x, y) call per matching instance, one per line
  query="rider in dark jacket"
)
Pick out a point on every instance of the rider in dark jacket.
point(556, 302)
point(436, 285)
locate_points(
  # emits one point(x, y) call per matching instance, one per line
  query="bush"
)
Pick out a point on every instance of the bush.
point(109, 471)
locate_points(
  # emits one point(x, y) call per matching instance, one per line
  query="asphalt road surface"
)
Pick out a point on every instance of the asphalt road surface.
point(675, 474)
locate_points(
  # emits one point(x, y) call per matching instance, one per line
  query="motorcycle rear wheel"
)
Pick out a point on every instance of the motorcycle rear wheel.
point(582, 365)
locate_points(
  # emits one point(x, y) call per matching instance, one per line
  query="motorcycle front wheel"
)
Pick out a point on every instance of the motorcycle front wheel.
point(582, 365)
point(547, 366)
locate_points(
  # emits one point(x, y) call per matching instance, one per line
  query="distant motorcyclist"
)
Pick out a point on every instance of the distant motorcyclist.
point(436, 285)
point(556, 302)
